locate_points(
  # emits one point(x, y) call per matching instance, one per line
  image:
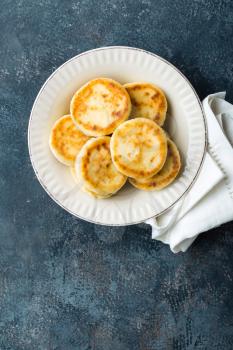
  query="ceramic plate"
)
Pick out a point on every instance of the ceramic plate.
point(185, 123)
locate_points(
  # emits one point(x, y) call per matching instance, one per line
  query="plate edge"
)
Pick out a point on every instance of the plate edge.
point(151, 54)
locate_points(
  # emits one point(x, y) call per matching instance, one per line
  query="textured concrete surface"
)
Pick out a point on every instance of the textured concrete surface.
point(66, 284)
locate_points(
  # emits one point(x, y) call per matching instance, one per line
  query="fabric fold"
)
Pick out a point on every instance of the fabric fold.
point(209, 203)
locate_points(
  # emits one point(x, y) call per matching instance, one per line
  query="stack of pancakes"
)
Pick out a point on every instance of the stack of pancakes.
point(114, 132)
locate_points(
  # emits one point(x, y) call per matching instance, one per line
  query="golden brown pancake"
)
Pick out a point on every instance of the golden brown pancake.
point(139, 148)
point(96, 170)
point(148, 101)
point(166, 175)
point(66, 140)
point(100, 106)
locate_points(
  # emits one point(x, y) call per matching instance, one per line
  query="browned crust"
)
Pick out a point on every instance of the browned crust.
point(160, 180)
point(65, 137)
point(157, 101)
point(105, 170)
point(79, 106)
point(124, 131)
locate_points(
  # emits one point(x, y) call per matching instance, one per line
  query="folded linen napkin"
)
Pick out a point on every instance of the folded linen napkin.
point(209, 203)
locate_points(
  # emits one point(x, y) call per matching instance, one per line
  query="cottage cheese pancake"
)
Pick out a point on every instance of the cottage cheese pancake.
point(100, 106)
point(96, 170)
point(66, 140)
point(166, 175)
point(148, 101)
point(139, 148)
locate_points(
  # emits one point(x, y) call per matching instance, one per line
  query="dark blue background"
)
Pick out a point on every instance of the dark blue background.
point(66, 284)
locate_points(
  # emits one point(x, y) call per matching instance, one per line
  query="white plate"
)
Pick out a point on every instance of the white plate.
point(185, 123)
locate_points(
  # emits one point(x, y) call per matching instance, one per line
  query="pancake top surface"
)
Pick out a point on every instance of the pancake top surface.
point(166, 175)
point(148, 101)
point(96, 168)
point(66, 140)
point(139, 148)
point(100, 106)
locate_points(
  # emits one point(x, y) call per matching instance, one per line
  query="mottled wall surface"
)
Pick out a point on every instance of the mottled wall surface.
point(66, 284)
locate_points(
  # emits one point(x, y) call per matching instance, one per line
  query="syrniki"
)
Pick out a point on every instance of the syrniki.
point(139, 148)
point(166, 175)
point(148, 101)
point(96, 170)
point(100, 106)
point(66, 140)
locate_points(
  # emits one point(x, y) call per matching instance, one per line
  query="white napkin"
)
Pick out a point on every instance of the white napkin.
point(209, 203)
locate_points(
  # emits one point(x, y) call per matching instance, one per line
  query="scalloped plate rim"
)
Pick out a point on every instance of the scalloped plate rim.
point(110, 48)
